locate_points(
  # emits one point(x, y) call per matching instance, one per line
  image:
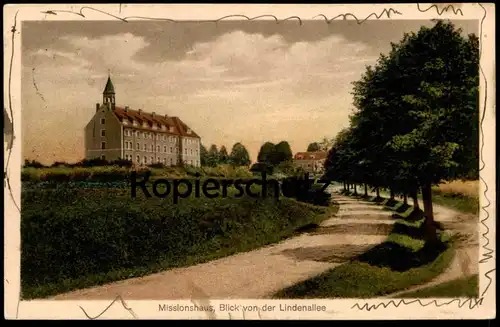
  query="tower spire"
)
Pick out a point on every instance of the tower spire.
point(108, 96)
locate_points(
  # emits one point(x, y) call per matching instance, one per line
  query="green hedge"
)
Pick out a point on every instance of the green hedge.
point(70, 232)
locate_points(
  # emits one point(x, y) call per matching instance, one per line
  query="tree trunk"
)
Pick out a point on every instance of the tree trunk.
point(430, 227)
point(414, 197)
point(378, 192)
point(392, 193)
point(366, 190)
point(355, 189)
point(405, 199)
point(345, 186)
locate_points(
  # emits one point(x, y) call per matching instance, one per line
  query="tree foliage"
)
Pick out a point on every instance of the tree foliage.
point(273, 154)
point(239, 155)
point(313, 147)
point(415, 121)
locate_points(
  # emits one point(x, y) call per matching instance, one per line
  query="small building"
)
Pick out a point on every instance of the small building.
point(311, 162)
point(141, 137)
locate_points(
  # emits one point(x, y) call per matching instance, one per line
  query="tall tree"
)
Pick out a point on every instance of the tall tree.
point(213, 156)
point(239, 155)
point(267, 153)
point(428, 83)
point(313, 147)
point(223, 155)
point(204, 160)
point(283, 152)
point(326, 144)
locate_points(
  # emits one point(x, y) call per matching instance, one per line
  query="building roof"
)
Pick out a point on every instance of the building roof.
point(180, 128)
point(109, 87)
point(318, 155)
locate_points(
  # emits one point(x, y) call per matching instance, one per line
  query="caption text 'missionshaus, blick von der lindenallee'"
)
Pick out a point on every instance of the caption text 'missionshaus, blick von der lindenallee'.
point(213, 188)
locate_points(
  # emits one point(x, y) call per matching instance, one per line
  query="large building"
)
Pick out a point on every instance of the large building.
point(312, 162)
point(143, 138)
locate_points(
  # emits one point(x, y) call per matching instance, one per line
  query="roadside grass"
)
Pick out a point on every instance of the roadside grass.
point(461, 287)
point(78, 237)
point(400, 262)
point(458, 202)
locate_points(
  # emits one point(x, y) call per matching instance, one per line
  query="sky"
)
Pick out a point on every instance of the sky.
point(234, 81)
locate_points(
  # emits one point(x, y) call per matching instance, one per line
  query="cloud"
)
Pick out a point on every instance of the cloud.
point(270, 86)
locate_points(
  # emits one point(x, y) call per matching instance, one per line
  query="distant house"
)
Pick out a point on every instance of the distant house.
point(312, 162)
point(141, 137)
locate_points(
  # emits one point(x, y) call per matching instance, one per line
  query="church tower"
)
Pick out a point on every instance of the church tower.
point(108, 96)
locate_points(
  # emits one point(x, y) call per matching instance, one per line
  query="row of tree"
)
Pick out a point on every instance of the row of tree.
point(213, 156)
point(415, 122)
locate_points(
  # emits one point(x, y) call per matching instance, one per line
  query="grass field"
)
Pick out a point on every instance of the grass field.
point(459, 195)
point(463, 188)
point(77, 235)
point(462, 287)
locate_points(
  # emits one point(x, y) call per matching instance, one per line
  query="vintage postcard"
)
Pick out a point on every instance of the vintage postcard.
point(249, 162)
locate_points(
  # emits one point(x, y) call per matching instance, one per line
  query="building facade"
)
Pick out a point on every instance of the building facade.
point(144, 138)
point(311, 162)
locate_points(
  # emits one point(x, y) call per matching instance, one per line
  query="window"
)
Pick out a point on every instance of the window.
point(196, 152)
point(103, 121)
point(152, 148)
point(165, 161)
point(165, 149)
point(191, 162)
point(103, 157)
point(171, 150)
point(171, 129)
point(126, 145)
point(138, 134)
point(158, 148)
point(171, 162)
point(191, 151)
point(186, 151)
point(131, 146)
point(103, 145)
point(138, 160)
point(145, 147)
point(138, 146)
point(103, 132)
point(158, 159)
point(145, 160)
point(152, 160)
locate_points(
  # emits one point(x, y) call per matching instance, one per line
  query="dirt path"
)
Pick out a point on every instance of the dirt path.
point(466, 259)
point(358, 226)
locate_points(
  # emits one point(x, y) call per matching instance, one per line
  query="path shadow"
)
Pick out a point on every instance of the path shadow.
point(326, 253)
point(354, 228)
point(403, 208)
point(374, 216)
point(400, 258)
